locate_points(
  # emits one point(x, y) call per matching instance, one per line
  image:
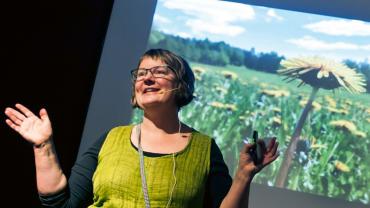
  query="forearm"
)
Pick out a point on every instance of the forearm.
point(49, 175)
point(238, 195)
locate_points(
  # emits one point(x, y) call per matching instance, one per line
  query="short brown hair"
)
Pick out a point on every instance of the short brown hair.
point(184, 75)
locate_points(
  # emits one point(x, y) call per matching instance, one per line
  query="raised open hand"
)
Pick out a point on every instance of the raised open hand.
point(34, 129)
point(248, 166)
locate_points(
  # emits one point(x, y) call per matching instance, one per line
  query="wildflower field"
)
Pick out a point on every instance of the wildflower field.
point(333, 153)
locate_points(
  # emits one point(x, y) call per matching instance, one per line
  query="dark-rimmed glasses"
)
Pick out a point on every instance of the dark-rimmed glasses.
point(156, 71)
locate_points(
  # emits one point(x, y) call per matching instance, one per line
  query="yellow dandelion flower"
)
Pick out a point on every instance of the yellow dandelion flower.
point(318, 146)
point(348, 102)
point(341, 166)
point(314, 145)
point(340, 111)
point(229, 75)
point(287, 138)
point(344, 125)
point(263, 85)
point(198, 77)
point(331, 101)
point(323, 73)
point(276, 121)
point(242, 118)
point(316, 106)
point(231, 107)
point(221, 90)
point(348, 127)
point(276, 110)
point(285, 126)
point(368, 110)
point(275, 93)
point(199, 70)
point(359, 134)
point(217, 104)
point(368, 120)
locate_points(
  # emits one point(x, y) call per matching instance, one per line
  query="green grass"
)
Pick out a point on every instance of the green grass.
point(276, 80)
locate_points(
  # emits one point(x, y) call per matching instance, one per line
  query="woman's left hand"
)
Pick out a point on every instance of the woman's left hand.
point(248, 168)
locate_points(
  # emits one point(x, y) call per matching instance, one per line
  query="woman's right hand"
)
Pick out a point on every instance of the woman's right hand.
point(36, 130)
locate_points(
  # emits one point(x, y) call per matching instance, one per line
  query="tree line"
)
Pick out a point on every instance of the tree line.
point(222, 54)
point(216, 53)
point(361, 67)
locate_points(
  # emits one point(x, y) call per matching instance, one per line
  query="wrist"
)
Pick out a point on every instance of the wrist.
point(42, 145)
point(244, 176)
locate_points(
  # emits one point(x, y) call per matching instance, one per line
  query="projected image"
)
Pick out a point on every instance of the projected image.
point(301, 77)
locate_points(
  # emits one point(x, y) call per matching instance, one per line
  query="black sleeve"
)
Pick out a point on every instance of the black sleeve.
point(219, 180)
point(79, 191)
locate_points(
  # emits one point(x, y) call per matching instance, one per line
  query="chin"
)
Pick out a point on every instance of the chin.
point(150, 103)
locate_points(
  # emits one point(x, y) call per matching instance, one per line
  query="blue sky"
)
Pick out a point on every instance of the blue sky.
point(289, 33)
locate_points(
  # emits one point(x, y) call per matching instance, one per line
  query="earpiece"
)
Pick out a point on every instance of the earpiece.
point(164, 91)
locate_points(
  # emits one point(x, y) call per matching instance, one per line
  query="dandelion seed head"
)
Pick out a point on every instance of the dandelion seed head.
point(323, 73)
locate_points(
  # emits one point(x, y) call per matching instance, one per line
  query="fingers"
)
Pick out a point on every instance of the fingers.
point(271, 159)
point(15, 116)
point(44, 115)
point(274, 148)
point(262, 144)
point(272, 154)
point(24, 110)
point(247, 148)
point(271, 144)
point(12, 125)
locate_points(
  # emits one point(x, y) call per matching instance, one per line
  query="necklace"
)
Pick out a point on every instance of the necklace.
point(142, 169)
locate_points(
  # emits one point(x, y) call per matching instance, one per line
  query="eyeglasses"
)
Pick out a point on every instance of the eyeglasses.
point(156, 71)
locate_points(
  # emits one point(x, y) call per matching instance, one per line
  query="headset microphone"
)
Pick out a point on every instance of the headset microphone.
point(164, 91)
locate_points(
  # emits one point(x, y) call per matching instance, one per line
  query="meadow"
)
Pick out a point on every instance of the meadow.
point(333, 153)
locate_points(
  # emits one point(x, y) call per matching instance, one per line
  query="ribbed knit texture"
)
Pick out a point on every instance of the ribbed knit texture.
point(117, 181)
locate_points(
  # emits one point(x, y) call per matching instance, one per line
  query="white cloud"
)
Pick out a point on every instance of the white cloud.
point(366, 47)
point(176, 33)
point(311, 43)
point(341, 27)
point(271, 15)
point(161, 20)
point(211, 16)
point(200, 26)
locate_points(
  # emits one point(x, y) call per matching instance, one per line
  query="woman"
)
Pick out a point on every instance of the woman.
point(158, 163)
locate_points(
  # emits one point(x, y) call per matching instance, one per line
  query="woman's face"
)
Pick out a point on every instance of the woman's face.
point(152, 87)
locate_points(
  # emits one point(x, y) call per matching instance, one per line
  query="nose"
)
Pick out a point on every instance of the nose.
point(148, 75)
point(148, 79)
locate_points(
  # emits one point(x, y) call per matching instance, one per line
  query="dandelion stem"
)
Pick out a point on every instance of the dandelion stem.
point(289, 153)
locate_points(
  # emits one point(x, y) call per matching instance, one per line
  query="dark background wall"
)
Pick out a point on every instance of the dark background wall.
point(50, 54)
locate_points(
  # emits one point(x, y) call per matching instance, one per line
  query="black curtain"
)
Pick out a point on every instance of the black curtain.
point(50, 57)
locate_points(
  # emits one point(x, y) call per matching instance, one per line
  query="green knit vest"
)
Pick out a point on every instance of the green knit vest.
point(117, 181)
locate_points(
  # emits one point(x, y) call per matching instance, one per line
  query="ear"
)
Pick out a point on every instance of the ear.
point(133, 101)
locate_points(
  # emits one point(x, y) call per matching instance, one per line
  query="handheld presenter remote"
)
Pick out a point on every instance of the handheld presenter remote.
point(258, 152)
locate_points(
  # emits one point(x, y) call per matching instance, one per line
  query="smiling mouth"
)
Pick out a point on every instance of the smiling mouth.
point(148, 90)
